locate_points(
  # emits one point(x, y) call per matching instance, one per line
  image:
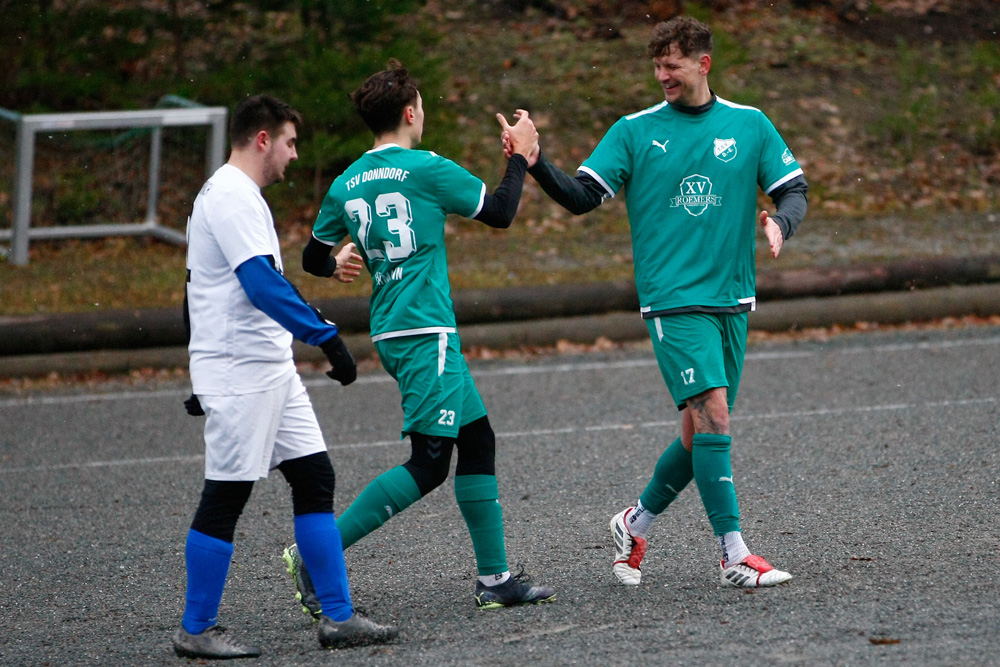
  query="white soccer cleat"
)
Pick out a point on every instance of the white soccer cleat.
point(752, 572)
point(628, 550)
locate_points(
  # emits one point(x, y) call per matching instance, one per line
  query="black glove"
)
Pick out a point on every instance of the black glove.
point(193, 406)
point(344, 371)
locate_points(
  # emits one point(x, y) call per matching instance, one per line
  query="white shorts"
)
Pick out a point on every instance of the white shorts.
point(248, 435)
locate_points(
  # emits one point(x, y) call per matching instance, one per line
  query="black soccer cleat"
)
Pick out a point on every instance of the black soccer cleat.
point(516, 590)
point(358, 630)
point(213, 643)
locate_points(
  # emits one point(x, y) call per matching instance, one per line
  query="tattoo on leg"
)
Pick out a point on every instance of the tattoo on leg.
point(705, 419)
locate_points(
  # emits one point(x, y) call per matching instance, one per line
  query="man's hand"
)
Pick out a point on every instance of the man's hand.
point(508, 150)
point(773, 233)
point(344, 370)
point(348, 264)
point(193, 406)
point(522, 137)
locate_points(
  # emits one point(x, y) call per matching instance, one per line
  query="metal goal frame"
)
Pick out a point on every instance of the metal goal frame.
point(20, 234)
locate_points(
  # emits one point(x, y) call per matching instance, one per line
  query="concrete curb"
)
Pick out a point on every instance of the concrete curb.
point(164, 327)
point(774, 316)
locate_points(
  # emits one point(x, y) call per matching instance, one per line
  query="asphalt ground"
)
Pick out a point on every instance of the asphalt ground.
point(866, 465)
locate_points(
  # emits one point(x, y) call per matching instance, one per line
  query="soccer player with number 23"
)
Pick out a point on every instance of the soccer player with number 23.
point(393, 201)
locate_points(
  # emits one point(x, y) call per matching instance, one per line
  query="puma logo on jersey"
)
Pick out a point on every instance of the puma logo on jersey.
point(663, 145)
point(726, 479)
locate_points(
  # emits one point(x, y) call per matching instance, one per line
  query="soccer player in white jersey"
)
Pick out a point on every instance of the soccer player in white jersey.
point(243, 315)
point(690, 167)
point(393, 202)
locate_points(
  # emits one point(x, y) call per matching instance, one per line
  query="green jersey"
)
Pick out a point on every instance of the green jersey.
point(393, 203)
point(690, 184)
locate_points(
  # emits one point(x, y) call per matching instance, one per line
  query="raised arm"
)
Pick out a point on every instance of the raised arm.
point(577, 195)
point(500, 207)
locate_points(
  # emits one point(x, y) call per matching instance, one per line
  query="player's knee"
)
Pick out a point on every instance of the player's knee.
point(220, 507)
point(709, 411)
point(430, 461)
point(477, 447)
point(313, 481)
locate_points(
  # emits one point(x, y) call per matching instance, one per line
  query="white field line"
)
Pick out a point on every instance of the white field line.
point(570, 367)
point(535, 433)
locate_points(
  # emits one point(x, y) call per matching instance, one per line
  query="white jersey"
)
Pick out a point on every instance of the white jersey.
point(235, 348)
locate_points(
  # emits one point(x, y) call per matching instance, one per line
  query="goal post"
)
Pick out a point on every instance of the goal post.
point(29, 126)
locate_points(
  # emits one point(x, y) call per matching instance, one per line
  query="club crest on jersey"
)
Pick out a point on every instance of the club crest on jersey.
point(725, 149)
point(696, 195)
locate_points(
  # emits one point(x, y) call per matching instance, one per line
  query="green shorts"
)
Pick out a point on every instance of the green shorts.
point(438, 394)
point(700, 351)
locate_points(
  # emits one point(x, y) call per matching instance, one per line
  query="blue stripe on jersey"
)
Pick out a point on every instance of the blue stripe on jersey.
point(270, 292)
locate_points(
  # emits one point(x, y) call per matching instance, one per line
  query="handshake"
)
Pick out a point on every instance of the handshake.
point(344, 371)
point(521, 138)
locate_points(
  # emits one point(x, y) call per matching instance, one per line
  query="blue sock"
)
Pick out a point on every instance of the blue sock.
point(207, 560)
point(319, 544)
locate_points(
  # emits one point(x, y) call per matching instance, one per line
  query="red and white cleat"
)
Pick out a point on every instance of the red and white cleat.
point(752, 572)
point(628, 550)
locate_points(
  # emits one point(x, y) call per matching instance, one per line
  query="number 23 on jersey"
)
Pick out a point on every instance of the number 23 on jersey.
point(387, 235)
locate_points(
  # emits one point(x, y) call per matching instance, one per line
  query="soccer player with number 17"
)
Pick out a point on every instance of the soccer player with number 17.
point(690, 167)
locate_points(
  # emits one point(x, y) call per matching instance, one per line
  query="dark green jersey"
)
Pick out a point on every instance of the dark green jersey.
point(393, 203)
point(690, 183)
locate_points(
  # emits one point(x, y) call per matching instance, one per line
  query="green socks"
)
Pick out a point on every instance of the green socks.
point(388, 494)
point(714, 475)
point(673, 472)
point(478, 499)
point(395, 490)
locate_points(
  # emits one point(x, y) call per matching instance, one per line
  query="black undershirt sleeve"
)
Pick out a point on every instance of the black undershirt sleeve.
point(317, 259)
point(791, 201)
point(577, 195)
point(500, 207)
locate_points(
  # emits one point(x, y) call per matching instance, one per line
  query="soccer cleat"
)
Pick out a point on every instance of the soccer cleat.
point(516, 590)
point(212, 643)
point(628, 550)
point(358, 630)
point(752, 572)
point(305, 592)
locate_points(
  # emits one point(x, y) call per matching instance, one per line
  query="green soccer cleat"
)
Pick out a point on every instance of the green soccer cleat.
point(305, 592)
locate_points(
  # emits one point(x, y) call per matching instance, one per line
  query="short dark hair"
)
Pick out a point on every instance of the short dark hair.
point(381, 99)
point(689, 35)
point(260, 112)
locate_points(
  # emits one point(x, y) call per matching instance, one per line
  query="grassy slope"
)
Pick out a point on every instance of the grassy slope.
point(889, 149)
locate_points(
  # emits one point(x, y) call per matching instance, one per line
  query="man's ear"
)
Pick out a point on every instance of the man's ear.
point(409, 114)
point(704, 64)
point(262, 140)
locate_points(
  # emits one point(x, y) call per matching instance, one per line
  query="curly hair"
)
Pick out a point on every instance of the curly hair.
point(689, 35)
point(382, 97)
